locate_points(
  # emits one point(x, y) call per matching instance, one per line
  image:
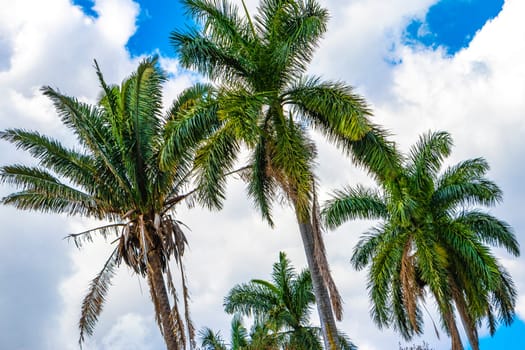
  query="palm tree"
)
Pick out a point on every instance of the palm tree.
point(266, 103)
point(115, 176)
point(260, 338)
point(430, 236)
point(283, 305)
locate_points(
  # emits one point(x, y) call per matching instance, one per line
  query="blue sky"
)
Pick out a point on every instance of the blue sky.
point(452, 23)
point(458, 67)
point(154, 24)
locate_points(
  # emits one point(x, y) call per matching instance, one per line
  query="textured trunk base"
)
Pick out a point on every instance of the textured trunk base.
point(162, 302)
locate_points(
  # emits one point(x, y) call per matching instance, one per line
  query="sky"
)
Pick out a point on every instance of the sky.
point(454, 65)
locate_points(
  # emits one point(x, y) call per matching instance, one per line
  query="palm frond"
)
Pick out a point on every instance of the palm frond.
point(250, 299)
point(211, 340)
point(41, 191)
point(366, 247)
point(400, 316)
point(431, 263)
point(261, 187)
point(87, 236)
point(239, 334)
point(95, 298)
point(208, 58)
point(192, 117)
point(283, 274)
point(332, 108)
point(465, 171)
point(302, 26)
point(220, 20)
point(242, 110)
point(142, 94)
point(384, 267)
point(426, 156)
point(291, 159)
point(110, 94)
point(212, 162)
point(374, 153)
point(504, 297)
point(490, 230)
point(92, 131)
point(351, 204)
point(303, 296)
point(77, 167)
point(345, 342)
point(478, 192)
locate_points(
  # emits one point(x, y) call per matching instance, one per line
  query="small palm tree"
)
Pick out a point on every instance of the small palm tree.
point(431, 237)
point(115, 176)
point(260, 338)
point(282, 305)
point(266, 103)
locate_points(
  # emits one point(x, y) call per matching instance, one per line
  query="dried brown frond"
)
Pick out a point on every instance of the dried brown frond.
point(178, 324)
point(95, 298)
point(409, 285)
point(87, 236)
point(186, 298)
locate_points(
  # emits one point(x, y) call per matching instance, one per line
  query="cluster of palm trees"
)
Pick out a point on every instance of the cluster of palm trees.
point(135, 163)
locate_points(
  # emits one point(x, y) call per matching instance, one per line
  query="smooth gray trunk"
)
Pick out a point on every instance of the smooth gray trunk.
point(322, 297)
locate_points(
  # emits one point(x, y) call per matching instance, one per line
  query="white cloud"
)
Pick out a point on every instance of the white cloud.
point(477, 95)
point(131, 332)
point(362, 37)
point(54, 43)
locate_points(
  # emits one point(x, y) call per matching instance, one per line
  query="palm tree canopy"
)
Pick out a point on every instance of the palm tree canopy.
point(259, 337)
point(115, 175)
point(283, 304)
point(431, 235)
point(266, 98)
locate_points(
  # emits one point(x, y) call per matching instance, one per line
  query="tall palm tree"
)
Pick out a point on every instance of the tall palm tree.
point(283, 305)
point(115, 176)
point(267, 103)
point(431, 237)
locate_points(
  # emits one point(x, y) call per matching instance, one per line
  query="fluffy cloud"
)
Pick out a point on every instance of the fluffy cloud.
point(54, 43)
point(477, 95)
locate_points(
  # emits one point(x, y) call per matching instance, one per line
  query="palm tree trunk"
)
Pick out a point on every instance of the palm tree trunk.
point(453, 329)
point(322, 297)
point(160, 299)
point(468, 323)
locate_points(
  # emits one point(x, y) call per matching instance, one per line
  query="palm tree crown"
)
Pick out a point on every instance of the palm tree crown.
point(430, 236)
point(259, 337)
point(116, 176)
point(282, 306)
